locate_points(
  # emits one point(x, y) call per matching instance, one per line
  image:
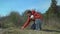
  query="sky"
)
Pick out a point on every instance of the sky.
point(7, 6)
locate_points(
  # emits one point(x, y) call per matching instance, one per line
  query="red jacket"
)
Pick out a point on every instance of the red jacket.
point(36, 16)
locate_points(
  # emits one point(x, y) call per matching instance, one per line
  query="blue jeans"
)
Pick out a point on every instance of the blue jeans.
point(38, 23)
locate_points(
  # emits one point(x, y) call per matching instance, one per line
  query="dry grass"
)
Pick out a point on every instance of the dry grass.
point(19, 31)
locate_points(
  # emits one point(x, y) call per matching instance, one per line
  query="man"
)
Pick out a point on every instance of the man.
point(34, 16)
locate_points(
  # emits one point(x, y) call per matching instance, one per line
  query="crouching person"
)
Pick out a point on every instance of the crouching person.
point(36, 17)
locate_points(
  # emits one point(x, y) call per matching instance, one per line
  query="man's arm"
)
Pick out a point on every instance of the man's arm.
point(26, 23)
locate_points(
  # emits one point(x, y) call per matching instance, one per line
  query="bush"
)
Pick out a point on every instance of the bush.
point(8, 25)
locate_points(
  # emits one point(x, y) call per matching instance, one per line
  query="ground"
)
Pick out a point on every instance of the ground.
point(19, 31)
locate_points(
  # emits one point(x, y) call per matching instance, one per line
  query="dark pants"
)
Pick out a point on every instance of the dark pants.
point(33, 26)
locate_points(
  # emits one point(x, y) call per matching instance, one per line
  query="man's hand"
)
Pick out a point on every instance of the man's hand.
point(22, 28)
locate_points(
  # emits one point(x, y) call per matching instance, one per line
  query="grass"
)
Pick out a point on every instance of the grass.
point(19, 31)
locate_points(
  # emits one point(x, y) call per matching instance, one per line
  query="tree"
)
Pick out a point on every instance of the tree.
point(54, 6)
point(52, 11)
point(15, 18)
